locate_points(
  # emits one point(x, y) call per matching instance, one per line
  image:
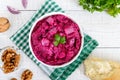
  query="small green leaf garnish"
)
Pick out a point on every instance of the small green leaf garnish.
point(57, 37)
point(62, 40)
point(56, 43)
point(59, 40)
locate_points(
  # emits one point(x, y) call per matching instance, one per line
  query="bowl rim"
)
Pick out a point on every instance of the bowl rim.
point(81, 33)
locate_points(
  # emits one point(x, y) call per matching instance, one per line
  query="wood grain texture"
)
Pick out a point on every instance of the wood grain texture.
point(102, 27)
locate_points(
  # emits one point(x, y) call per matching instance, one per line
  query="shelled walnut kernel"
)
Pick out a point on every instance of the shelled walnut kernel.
point(13, 79)
point(27, 75)
point(4, 24)
point(10, 59)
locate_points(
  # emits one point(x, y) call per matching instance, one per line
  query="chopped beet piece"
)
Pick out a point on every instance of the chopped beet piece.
point(50, 20)
point(45, 42)
point(69, 30)
point(72, 42)
point(45, 26)
point(53, 31)
point(70, 55)
point(61, 55)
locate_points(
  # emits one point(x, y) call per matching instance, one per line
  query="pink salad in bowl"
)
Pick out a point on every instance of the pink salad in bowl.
point(56, 39)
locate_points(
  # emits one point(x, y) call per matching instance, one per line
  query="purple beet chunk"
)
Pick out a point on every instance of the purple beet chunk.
point(69, 56)
point(60, 18)
point(50, 20)
point(45, 52)
point(61, 55)
point(45, 42)
point(59, 62)
point(72, 42)
point(53, 31)
point(69, 30)
point(62, 34)
point(34, 38)
point(45, 26)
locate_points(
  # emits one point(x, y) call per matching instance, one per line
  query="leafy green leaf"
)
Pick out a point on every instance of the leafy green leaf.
point(56, 43)
point(59, 40)
point(112, 7)
point(57, 37)
point(62, 40)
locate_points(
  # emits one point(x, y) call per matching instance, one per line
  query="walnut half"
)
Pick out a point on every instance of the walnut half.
point(13, 79)
point(10, 60)
point(27, 75)
point(4, 24)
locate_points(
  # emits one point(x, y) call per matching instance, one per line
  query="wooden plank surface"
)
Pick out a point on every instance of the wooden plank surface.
point(102, 27)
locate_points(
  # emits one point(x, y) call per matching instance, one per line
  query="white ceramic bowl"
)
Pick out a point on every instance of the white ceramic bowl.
point(50, 14)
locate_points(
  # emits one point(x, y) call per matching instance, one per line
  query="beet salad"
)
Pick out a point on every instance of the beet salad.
point(56, 39)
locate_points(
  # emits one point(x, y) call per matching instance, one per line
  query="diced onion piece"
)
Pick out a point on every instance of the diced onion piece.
point(13, 10)
point(24, 3)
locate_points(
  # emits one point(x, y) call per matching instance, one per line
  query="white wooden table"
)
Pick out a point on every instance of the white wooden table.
point(102, 27)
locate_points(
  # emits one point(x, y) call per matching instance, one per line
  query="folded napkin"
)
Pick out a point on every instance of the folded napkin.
point(20, 38)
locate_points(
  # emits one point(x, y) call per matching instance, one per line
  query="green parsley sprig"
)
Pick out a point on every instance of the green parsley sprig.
point(112, 7)
point(59, 40)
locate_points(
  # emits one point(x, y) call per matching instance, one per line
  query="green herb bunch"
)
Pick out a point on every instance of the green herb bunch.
point(112, 7)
